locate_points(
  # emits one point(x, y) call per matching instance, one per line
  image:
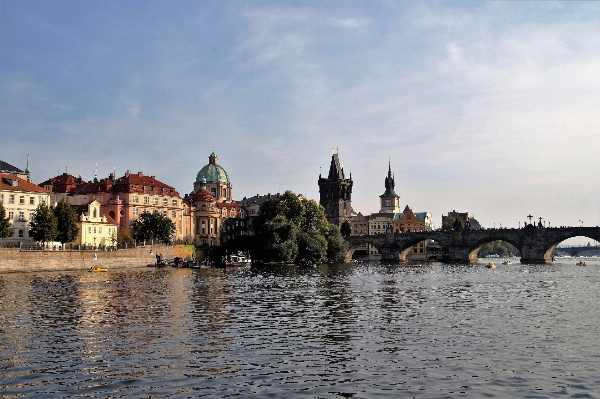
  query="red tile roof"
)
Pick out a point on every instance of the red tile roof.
point(63, 183)
point(6, 183)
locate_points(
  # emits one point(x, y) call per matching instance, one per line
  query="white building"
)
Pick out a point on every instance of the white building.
point(20, 198)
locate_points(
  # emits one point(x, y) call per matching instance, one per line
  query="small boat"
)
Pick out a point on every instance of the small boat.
point(507, 262)
point(238, 260)
point(98, 269)
point(580, 263)
point(491, 265)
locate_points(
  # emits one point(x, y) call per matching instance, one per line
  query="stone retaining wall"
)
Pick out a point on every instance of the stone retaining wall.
point(15, 260)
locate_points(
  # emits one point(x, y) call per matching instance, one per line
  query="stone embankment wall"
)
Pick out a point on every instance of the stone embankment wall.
point(15, 260)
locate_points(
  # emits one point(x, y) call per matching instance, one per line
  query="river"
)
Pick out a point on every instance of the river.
point(362, 330)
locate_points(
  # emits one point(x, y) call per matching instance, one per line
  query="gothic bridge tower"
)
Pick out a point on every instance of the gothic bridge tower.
point(336, 193)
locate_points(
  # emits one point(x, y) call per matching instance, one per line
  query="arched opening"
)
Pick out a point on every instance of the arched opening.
point(575, 247)
point(495, 249)
point(421, 250)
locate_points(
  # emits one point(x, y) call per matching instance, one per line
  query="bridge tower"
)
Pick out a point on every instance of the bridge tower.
point(336, 193)
point(390, 201)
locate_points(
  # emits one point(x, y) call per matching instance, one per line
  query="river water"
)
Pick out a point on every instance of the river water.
point(363, 330)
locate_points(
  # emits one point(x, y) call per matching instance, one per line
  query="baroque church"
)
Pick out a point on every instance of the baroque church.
point(212, 202)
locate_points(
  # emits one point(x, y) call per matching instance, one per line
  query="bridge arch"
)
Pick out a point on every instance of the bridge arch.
point(591, 233)
point(474, 250)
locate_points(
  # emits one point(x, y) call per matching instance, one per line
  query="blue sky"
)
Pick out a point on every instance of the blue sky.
point(485, 107)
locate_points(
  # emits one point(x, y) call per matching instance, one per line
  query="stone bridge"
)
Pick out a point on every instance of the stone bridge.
point(536, 244)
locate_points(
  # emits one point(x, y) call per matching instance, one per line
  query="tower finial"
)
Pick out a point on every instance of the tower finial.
point(333, 149)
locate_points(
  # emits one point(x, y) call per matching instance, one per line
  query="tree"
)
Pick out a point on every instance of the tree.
point(498, 247)
point(153, 226)
point(453, 224)
point(5, 225)
point(293, 229)
point(43, 224)
point(124, 237)
point(337, 246)
point(66, 219)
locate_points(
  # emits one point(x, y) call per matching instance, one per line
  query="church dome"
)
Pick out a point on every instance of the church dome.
point(203, 195)
point(213, 172)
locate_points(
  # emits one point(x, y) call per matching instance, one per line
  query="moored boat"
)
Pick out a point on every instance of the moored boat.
point(491, 265)
point(580, 263)
point(98, 269)
point(507, 262)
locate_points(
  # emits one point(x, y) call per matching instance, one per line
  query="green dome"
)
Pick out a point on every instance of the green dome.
point(213, 172)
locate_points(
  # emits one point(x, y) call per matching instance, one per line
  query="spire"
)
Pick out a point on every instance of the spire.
point(335, 170)
point(27, 170)
point(96, 173)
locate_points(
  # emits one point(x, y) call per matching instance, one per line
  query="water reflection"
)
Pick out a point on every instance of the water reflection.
point(360, 330)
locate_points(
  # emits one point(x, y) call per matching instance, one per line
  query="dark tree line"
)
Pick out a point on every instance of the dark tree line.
point(291, 229)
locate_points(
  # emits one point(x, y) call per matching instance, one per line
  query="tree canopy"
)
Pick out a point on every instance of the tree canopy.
point(43, 224)
point(5, 225)
point(153, 226)
point(292, 229)
point(66, 219)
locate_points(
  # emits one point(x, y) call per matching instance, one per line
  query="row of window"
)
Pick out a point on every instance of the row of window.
point(155, 201)
point(136, 211)
point(12, 199)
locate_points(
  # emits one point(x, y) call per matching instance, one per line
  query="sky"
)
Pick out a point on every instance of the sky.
point(490, 108)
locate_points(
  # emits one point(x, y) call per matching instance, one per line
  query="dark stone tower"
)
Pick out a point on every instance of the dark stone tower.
point(336, 193)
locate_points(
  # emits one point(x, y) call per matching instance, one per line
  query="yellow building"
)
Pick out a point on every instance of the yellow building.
point(95, 229)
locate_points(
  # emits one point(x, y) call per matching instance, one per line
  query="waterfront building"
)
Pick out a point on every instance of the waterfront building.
point(20, 198)
point(123, 199)
point(336, 193)
point(212, 203)
point(96, 229)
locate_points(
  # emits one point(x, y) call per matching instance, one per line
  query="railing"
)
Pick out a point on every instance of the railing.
point(71, 247)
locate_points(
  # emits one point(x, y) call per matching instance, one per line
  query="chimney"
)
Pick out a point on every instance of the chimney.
point(140, 174)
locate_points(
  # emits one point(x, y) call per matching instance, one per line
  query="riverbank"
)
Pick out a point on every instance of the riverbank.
point(14, 260)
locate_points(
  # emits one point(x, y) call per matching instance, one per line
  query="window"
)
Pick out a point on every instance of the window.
point(90, 229)
point(1, 197)
point(174, 202)
point(31, 200)
point(136, 198)
point(99, 229)
point(11, 215)
point(21, 216)
point(146, 200)
point(21, 199)
point(173, 214)
point(40, 200)
point(135, 211)
point(11, 198)
point(155, 201)
point(20, 233)
point(165, 202)
point(164, 213)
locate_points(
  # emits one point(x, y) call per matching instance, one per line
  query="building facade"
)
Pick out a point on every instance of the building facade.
point(95, 228)
point(20, 199)
point(123, 199)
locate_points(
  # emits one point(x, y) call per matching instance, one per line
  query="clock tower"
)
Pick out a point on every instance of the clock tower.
point(390, 201)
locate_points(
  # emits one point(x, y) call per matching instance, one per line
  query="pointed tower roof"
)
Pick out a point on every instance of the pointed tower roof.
point(389, 184)
point(336, 172)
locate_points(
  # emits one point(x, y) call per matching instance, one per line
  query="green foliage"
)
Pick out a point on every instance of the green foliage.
point(453, 224)
point(337, 246)
point(499, 247)
point(153, 226)
point(291, 229)
point(43, 224)
point(5, 225)
point(66, 219)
